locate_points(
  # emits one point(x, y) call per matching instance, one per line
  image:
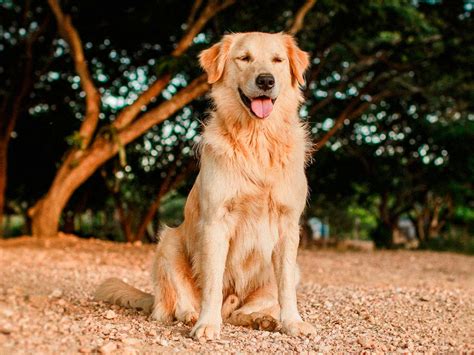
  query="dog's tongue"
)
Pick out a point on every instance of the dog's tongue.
point(262, 107)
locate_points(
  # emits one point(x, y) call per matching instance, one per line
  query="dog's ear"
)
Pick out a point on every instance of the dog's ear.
point(213, 59)
point(299, 60)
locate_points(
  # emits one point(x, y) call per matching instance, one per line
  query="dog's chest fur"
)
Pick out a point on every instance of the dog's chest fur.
point(268, 167)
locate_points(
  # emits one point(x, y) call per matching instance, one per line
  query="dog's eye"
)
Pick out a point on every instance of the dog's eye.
point(244, 58)
point(277, 60)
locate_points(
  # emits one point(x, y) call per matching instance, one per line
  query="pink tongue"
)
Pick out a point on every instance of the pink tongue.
point(262, 107)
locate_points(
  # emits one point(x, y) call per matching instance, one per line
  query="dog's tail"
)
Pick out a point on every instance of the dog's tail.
point(117, 292)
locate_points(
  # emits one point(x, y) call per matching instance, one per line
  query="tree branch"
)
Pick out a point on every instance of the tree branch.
point(363, 66)
point(9, 115)
point(212, 8)
point(192, 14)
point(352, 110)
point(330, 97)
point(298, 21)
point(130, 112)
point(350, 115)
point(71, 36)
point(196, 88)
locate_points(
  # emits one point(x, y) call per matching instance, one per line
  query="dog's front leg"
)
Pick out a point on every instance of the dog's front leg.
point(213, 255)
point(284, 261)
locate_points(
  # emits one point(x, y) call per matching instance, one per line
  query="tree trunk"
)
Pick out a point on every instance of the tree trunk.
point(382, 235)
point(167, 184)
point(47, 211)
point(420, 227)
point(151, 213)
point(124, 218)
point(80, 165)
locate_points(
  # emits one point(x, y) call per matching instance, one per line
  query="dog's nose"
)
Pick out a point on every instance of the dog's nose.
point(265, 81)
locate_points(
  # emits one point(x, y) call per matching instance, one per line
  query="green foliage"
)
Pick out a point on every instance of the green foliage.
point(367, 220)
point(466, 214)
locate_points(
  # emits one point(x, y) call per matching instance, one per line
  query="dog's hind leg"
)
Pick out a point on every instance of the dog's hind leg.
point(176, 295)
point(260, 310)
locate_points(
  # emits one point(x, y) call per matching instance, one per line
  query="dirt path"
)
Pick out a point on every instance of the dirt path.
point(384, 301)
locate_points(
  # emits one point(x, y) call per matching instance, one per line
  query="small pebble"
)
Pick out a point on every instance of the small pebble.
point(110, 314)
point(130, 351)
point(56, 293)
point(131, 341)
point(6, 312)
point(163, 342)
point(107, 348)
point(365, 342)
point(6, 328)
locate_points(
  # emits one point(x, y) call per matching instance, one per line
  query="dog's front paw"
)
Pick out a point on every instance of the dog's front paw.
point(188, 317)
point(296, 328)
point(206, 331)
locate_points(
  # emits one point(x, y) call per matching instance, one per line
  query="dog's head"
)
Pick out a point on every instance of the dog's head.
point(257, 67)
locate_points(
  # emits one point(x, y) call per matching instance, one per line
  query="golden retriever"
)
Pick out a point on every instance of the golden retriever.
point(234, 256)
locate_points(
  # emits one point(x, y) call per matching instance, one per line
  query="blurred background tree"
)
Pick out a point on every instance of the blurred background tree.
point(102, 103)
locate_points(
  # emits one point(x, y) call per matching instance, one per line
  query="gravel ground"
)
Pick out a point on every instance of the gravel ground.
point(377, 301)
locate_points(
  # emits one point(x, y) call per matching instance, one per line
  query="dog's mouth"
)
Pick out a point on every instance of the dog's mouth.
point(260, 106)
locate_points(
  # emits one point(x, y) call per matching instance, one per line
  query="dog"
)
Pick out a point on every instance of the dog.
point(233, 258)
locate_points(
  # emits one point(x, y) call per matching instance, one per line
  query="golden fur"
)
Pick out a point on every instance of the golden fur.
point(234, 256)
